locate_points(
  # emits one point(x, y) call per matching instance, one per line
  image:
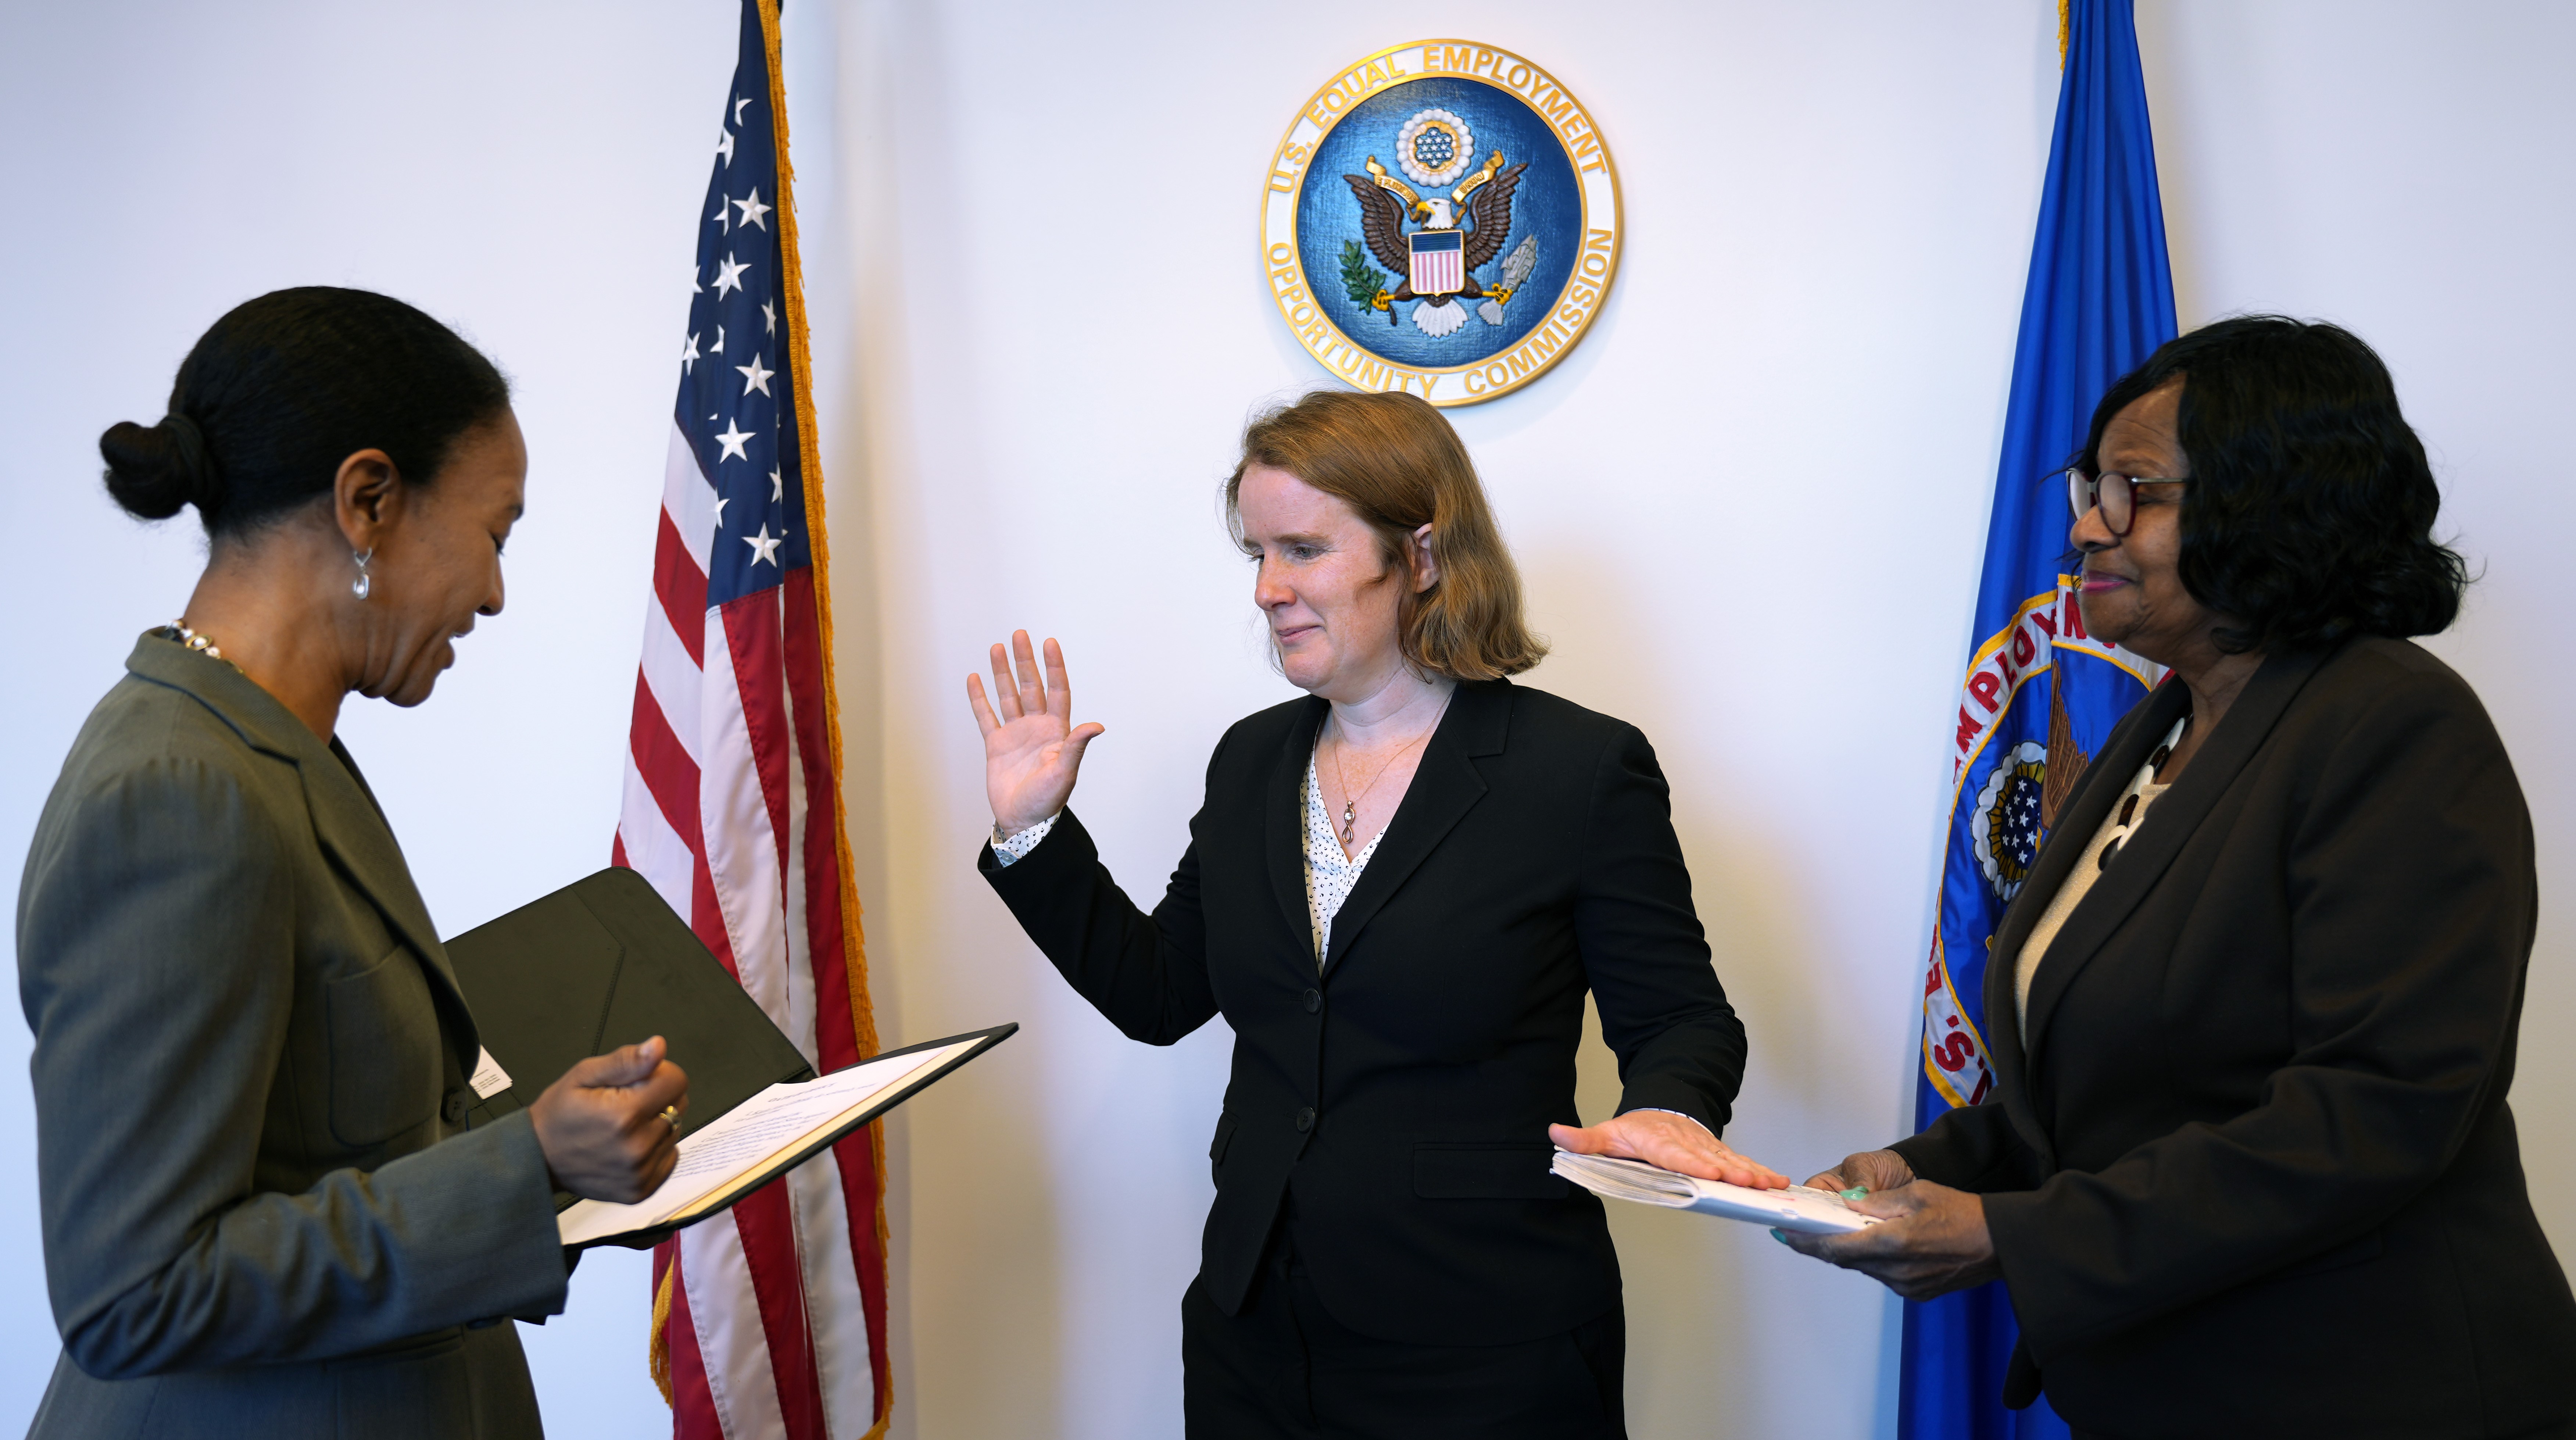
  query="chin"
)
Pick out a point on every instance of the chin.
point(2105, 621)
point(1306, 672)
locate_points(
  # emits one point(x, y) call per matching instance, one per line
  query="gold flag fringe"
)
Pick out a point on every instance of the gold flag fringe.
point(659, 1361)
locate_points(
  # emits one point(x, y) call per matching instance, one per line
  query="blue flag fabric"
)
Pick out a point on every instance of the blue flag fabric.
point(2099, 301)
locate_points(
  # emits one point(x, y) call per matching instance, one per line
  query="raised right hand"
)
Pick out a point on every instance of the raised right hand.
point(1032, 748)
point(601, 1126)
point(1871, 1170)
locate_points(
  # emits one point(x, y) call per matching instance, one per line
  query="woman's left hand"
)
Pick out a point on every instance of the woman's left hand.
point(1930, 1240)
point(1670, 1142)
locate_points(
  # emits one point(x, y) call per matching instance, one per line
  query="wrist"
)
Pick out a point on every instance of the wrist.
point(1006, 828)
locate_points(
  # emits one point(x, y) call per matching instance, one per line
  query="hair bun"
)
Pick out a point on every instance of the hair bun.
point(153, 471)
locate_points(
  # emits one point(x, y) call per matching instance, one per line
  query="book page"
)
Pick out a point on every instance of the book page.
point(738, 1145)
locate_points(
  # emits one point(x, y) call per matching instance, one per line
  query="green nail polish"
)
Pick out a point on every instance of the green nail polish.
point(1855, 1192)
point(1776, 1235)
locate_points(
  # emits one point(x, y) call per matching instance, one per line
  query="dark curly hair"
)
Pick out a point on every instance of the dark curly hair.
point(282, 389)
point(2310, 513)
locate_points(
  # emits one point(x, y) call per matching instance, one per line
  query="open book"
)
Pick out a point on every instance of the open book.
point(1819, 1212)
point(768, 1135)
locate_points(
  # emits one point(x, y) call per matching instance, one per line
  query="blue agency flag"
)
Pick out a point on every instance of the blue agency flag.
point(2099, 301)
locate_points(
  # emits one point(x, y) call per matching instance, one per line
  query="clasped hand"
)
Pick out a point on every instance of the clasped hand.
point(1930, 1239)
point(603, 1128)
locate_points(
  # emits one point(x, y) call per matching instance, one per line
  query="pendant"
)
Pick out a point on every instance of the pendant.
point(1350, 818)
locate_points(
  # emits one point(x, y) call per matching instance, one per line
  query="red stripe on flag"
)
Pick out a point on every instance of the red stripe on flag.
point(693, 1402)
point(836, 1040)
point(856, 1156)
point(664, 763)
point(751, 626)
point(617, 851)
point(767, 1222)
point(682, 588)
point(672, 778)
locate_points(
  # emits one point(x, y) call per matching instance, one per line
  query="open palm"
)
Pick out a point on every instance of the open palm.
point(1031, 745)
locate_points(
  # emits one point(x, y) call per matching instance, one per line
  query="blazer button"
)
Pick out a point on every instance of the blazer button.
point(1305, 1119)
point(1314, 1001)
point(454, 1107)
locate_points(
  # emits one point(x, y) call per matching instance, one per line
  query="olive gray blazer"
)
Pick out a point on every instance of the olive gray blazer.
point(270, 1205)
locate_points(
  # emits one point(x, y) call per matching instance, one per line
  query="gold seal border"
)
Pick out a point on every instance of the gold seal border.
point(1574, 307)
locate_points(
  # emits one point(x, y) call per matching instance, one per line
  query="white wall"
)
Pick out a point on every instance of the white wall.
point(1749, 508)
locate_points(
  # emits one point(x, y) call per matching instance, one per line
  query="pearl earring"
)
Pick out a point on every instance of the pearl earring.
point(359, 586)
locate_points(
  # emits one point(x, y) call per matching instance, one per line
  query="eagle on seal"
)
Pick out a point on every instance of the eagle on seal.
point(1386, 203)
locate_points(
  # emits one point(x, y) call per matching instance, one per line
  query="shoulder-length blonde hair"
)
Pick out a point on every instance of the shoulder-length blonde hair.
point(1394, 460)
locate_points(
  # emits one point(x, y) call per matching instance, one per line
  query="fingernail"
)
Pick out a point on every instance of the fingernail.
point(1856, 1192)
point(1776, 1235)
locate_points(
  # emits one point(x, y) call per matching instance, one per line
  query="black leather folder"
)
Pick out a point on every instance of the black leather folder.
point(604, 962)
point(601, 963)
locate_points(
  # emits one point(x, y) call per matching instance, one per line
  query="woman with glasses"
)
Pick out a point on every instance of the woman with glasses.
point(2248, 1167)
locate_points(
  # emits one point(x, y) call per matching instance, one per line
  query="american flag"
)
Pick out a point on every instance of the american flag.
point(769, 1320)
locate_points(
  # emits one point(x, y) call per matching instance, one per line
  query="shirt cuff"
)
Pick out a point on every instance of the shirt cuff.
point(1012, 847)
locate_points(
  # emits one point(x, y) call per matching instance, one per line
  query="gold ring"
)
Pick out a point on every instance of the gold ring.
point(671, 1115)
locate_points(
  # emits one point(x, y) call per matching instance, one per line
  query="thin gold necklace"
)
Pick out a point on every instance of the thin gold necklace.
point(1351, 802)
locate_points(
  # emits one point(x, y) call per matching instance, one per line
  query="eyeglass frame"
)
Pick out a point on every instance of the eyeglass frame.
point(2084, 494)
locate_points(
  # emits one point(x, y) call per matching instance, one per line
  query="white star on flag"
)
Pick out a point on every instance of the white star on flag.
point(723, 218)
point(763, 545)
point(729, 274)
point(769, 313)
point(777, 488)
point(721, 502)
point(737, 110)
point(754, 377)
point(724, 147)
point(752, 209)
point(717, 348)
point(689, 357)
point(732, 438)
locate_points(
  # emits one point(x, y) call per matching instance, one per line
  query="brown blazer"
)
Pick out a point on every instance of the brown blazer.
point(2252, 1172)
point(267, 1208)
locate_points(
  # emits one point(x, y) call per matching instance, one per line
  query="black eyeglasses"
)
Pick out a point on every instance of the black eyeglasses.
point(2115, 494)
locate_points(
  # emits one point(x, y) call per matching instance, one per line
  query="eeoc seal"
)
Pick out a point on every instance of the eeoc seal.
point(1441, 218)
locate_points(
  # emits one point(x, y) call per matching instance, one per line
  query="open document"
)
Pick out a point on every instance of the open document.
point(1819, 1212)
point(769, 1134)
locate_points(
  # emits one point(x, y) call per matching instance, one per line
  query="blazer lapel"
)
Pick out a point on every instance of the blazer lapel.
point(2150, 849)
point(1445, 787)
point(1283, 822)
point(345, 817)
point(2091, 800)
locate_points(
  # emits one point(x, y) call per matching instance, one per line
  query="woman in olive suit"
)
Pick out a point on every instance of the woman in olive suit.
point(270, 1205)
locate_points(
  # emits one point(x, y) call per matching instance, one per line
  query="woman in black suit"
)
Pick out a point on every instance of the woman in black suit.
point(2248, 1169)
point(1397, 893)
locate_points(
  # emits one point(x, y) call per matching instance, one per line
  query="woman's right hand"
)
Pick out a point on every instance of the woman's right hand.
point(1871, 1170)
point(1032, 748)
point(603, 1126)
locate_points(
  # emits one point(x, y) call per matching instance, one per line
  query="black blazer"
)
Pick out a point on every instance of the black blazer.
point(1399, 1101)
point(2255, 1174)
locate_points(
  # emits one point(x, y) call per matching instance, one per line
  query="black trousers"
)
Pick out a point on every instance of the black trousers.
point(1284, 1369)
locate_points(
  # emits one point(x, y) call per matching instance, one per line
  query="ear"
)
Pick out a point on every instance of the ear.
point(1426, 566)
point(367, 498)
